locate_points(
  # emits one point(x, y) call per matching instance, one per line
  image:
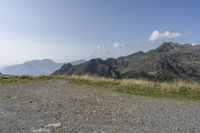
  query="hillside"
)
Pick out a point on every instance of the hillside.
point(170, 61)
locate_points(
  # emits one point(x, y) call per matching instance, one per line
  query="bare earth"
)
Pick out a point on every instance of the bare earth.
point(58, 107)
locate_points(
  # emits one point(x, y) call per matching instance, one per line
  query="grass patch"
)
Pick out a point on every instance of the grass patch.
point(22, 79)
point(177, 89)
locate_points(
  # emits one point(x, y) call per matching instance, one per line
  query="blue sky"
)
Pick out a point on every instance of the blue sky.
point(66, 30)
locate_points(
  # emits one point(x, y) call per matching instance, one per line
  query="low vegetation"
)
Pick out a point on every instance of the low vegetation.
point(176, 89)
point(6, 79)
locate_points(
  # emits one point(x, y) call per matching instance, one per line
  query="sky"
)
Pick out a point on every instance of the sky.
point(67, 30)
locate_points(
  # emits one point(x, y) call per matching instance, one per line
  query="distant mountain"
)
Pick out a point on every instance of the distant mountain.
point(170, 61)
point(78, 62)
point(35, 67)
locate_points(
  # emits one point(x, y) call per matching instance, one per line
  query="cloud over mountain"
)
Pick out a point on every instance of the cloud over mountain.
point(156, 35)
point(118, 45)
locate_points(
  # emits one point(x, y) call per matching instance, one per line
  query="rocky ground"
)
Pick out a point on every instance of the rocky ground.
point(58, 107)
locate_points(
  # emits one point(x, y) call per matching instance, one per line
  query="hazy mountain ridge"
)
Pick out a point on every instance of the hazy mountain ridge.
point(170, 61)
point(35, 67)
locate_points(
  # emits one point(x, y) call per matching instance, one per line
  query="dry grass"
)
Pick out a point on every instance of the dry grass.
point(176, 86)
point(179, 89)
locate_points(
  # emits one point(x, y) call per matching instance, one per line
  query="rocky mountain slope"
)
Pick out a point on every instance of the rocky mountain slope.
point(170, 61)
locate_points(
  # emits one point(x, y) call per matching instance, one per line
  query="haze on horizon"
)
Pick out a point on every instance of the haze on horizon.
point(67, 30)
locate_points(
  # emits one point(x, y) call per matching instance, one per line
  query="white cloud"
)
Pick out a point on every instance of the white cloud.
point(156, 35)
point(98, 47)
point(118, 45)
point(193, 44)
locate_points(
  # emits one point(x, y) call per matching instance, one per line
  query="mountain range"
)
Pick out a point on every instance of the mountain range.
point(35, 67)
point(170, 61)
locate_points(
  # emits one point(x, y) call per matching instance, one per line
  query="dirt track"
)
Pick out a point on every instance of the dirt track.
point(58, 107)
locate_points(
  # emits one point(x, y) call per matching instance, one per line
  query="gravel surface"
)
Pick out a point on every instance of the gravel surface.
point(58, 107)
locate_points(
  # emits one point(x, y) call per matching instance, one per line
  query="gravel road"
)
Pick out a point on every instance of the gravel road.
point(58, 107)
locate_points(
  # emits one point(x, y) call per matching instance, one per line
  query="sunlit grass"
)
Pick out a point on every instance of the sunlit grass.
point(176, 89)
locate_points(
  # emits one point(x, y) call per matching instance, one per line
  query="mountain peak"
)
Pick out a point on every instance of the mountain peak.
point(167, 46)
point(39, 61)
point(66, 66)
